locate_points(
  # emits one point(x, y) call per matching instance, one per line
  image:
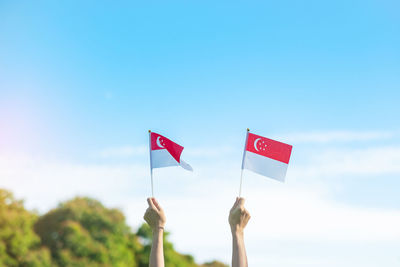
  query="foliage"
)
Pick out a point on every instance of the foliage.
point(82, 232)
point(19, 245)
point(78, 233)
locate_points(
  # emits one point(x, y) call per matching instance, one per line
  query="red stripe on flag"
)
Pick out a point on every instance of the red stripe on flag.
point(160, 142)
point(268, 148)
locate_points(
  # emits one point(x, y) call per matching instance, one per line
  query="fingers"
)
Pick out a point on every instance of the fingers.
point(238, 203)
point(146, 214)
point(246, 213)
point(246, 219)
point(151, 204)
point(156, 204)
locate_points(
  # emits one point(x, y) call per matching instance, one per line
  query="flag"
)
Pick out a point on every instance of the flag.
point(165, 153)
point(266, 156)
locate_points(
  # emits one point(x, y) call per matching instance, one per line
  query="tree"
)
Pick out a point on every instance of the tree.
point(78, 233)
point(82, 232)
point(19, 245)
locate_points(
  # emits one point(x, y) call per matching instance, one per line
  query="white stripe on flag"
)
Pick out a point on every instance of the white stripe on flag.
point(265, 166)
point(162, 158)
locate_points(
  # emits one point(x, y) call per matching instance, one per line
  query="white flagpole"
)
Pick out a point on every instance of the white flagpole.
point(244, 154)
point(151, 167)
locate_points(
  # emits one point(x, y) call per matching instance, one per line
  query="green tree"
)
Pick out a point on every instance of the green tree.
point(82, 232)
point(78, 233)
point(19, 245)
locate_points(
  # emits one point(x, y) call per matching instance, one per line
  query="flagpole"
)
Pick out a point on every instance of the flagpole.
point(244, 154)
point(241, 179)
point(151, 168)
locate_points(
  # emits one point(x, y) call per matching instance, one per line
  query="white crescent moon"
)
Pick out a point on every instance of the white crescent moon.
point(158, 142)
point(255, 144)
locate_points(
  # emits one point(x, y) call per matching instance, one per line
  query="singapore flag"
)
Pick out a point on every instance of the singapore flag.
point(165, 153)
point(266, 156)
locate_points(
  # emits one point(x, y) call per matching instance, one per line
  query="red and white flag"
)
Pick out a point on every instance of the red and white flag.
point(165, 153)
point(266, 156)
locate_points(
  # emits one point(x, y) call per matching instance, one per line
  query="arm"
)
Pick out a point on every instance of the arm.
point(155, 217)
point(238, 218)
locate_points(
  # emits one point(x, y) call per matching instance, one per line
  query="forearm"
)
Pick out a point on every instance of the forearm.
point(239, 257)
point(157, 251)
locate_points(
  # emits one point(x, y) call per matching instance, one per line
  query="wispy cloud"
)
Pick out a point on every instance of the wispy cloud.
point(44, 182)
point(132, 151)
point(122, 152)
point(322, 138)
point(197, 204)
point(218, 151)
point(337, 136)
point(362, 161)
point(281, 213)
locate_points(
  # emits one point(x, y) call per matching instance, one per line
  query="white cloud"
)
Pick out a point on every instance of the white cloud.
point(362, 161)
point(292, 213)
point(123, 152)
point(281, 213)
point(208, 151)
point(336, 136)
point(44, 182)
point(197, 204)
point(130, 151)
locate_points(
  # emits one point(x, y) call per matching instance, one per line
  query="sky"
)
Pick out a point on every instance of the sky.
point(81, 83)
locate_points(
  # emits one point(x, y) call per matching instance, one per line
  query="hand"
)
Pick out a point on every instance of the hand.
point(154, 215)
point(238, 216)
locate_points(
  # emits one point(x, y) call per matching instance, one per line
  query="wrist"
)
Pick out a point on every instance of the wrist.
point(238, 237)
point(237, 231)
point(158, 229)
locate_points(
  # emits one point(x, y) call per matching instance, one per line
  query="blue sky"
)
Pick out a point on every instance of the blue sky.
point(81, 83)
